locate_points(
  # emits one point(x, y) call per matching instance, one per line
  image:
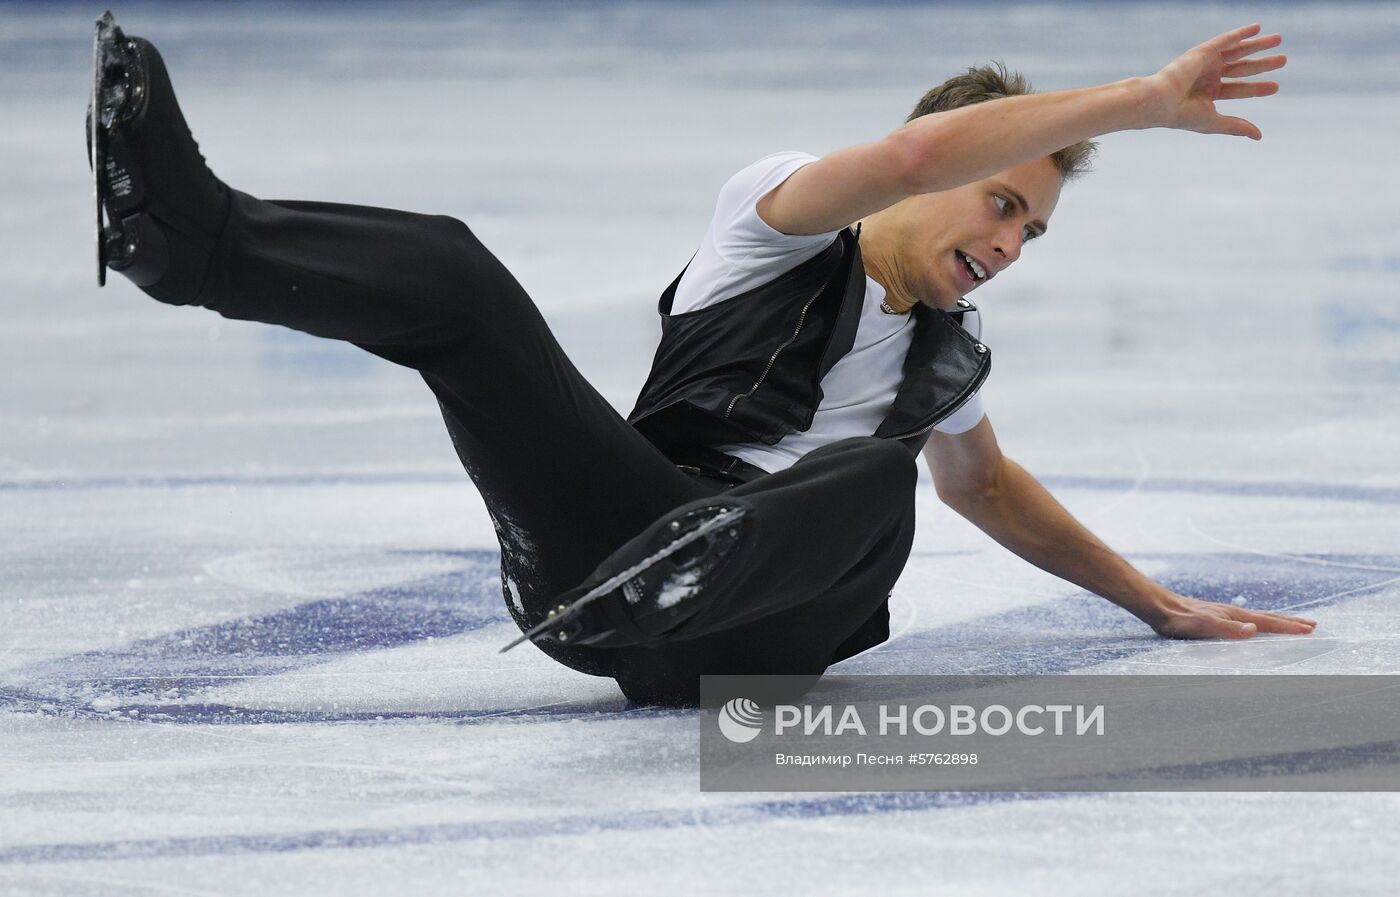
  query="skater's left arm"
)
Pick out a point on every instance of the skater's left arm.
point(975, 479)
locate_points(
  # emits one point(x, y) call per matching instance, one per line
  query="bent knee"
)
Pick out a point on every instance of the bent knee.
point(891, 461)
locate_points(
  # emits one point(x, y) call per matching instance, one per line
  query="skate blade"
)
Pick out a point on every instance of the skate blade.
point(561, 615)
point(95, 156)
point(101, 119)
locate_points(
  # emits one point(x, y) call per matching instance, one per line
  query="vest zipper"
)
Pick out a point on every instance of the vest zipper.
point(801, 319)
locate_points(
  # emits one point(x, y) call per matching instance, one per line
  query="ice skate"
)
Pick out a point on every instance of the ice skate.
point(675, 564)
point(160, 210)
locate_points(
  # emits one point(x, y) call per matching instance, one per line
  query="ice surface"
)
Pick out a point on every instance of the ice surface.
point(250, 604)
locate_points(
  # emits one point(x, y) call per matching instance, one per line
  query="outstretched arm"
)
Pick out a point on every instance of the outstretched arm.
point(1001, 498)
point(947, 150)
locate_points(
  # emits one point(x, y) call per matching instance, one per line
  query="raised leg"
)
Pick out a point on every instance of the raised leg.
point(567, 480)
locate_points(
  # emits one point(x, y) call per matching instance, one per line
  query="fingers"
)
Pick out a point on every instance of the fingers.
point(1229, 38)
point(1282, 623)
point(1237, 127)
point(1235, 629)
point(1247, 623)
point(1249, 47)
point(1220, 621)
point(1243, 90)
point(1214, 625)
point(1242, 629)
point(1247, 67)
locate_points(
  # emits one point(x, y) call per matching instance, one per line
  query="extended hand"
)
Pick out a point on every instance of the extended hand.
point(1186, 618)
point(1183, 94)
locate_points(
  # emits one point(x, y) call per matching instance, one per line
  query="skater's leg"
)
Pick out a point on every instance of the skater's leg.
point(817, 524)
point(801, 641)
point(565, 477)
point(813, 629)
point(566, 487)
point(408, 287)
point(801, 532)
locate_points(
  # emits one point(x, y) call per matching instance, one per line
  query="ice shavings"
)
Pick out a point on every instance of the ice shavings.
point(514, 593)
point(678, 587)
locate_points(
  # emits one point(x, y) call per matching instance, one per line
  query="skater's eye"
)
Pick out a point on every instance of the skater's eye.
point(1006, 208)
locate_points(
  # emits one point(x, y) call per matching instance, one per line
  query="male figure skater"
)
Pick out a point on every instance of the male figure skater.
point(754, 511)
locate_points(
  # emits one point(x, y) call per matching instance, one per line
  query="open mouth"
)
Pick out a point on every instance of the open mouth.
point(975, 272)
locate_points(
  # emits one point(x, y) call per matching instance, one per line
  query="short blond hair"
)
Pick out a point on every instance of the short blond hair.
point(993, 82)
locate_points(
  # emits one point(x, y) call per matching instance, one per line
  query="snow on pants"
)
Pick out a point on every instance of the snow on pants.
point(566, 479)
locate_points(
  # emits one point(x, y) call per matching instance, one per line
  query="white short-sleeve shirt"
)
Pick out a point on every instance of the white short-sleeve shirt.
point(740, 251)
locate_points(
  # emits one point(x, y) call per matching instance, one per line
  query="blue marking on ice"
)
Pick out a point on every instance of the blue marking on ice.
point(1262, 489)
point(224, 714)
point(856, 804)
point(1208, 775)
point(496, 829)
point(1083, 630)
point(1076, 632)
point(265, 644)
point(1359, 323)
point(187, 660)
point(1366, 262)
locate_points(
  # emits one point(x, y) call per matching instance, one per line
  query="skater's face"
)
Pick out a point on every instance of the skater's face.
point(948, 244)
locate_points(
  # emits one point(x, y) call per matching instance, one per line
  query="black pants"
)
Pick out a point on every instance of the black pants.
point(566, 479)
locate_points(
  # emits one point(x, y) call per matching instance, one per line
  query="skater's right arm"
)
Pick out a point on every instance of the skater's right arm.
point(949, 149)
point(974, 478)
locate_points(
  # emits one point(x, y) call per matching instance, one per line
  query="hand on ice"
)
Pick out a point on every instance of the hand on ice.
point(1191, 618)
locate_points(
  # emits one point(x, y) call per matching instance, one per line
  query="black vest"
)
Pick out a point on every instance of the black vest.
point(749, 368)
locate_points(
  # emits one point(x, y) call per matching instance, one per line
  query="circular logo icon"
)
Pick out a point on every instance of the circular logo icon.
point(740, 720)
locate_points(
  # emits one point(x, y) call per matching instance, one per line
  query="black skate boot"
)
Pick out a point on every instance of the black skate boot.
point(160, 210)
point(651, 585)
